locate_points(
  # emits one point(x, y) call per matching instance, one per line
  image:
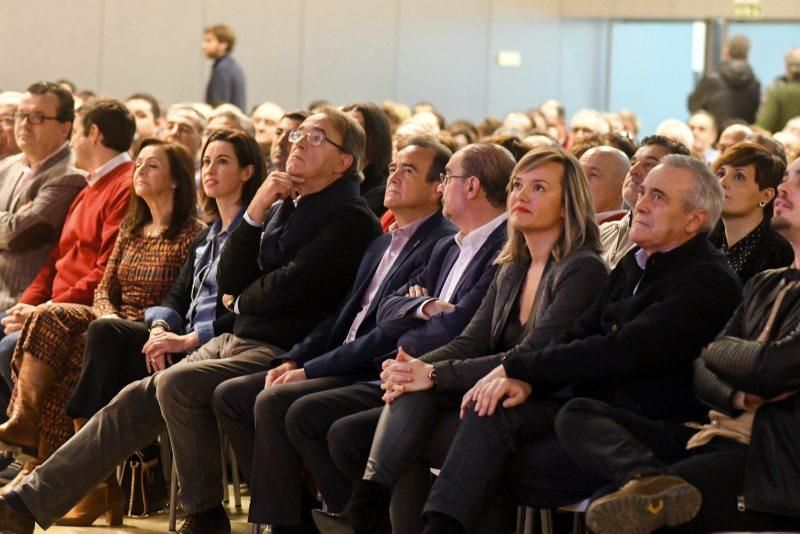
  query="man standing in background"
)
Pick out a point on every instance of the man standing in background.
point(227, 77)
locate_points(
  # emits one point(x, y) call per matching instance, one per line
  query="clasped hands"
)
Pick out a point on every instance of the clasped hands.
point(162, 344)
point(404, 374)
point(15, 317)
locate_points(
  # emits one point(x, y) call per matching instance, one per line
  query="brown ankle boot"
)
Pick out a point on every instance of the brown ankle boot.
point(107, 498)
point(27, 469)
point(20, 434)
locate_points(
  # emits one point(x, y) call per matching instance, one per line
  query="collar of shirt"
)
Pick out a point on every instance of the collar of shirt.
point(214, 232)
point(407, 230)
point(33, 169)
point(641, 258)
point(476, 238)
point(95, 176)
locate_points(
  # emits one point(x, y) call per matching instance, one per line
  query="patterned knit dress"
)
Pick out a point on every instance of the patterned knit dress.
point(139, 273)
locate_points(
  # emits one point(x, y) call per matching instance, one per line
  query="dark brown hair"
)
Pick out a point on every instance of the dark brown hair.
point(492, 164)
point(378, 152)
point(184, 201)
point(66, 104)
point(113, 120)
point(247, 153)
point(769, 167)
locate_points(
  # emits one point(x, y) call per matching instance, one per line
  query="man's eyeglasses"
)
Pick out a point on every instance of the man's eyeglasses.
point(35, 118)
point(314, 137)
point(445, 178)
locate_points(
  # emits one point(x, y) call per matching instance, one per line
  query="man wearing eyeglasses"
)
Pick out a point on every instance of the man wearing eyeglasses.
point(36, 186)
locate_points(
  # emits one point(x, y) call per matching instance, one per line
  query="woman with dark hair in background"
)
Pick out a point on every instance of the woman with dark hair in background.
point(153, 242)
point(378, 153)
point(750, 175)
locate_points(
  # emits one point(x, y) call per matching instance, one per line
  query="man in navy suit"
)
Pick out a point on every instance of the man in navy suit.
point(429, 311)
point(251, 409)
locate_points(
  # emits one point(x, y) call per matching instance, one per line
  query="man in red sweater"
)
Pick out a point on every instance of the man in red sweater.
point(102, 134)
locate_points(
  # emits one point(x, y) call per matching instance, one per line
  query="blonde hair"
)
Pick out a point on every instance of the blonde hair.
point(579, 229)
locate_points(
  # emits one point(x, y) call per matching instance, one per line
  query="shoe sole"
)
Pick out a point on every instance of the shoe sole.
point(20, 452)
point(330, 525)
point(641, 514)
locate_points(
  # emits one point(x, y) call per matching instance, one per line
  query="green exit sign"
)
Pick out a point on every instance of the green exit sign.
point(747, 9)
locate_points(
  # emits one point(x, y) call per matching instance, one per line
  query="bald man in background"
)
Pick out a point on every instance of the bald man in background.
point(735, 133)
point(605, 168)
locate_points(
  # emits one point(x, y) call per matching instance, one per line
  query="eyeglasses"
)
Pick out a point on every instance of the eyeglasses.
point(314, 137)
point(36, 118)
point(7, 120)
point(445, 178)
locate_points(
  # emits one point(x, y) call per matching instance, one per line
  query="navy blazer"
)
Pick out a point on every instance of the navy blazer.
point(396, 315)
point(323, 352)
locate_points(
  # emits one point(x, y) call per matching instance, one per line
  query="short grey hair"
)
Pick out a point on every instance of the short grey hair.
point(706, 195)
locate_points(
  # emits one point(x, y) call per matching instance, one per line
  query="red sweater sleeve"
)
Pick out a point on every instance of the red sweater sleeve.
point(83, 290)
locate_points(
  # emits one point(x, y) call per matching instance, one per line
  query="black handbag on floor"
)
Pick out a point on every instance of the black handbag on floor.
point(142, 480)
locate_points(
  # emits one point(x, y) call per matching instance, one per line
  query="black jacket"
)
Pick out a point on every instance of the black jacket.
point(735, 362)
point(731, 92)
point(635, 350)
point(566, 289)
point(771, 252)
point(323, 352)
point(280, 304)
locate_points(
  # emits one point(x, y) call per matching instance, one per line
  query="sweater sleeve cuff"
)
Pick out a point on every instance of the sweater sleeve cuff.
point(514, 368)
point(205, 331)
point(163, 313)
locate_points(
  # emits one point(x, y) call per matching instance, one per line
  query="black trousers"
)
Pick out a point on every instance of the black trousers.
point(112, 359)
point(514, 454)
point(615, 445)
point(257, 422)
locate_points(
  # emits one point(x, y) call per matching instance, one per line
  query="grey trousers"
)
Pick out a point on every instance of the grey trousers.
point(178, 398)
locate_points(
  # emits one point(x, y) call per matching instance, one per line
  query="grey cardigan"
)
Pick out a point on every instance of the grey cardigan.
point(568, 287)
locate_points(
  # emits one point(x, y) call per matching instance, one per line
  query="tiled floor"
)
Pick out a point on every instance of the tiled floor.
point(156, 524)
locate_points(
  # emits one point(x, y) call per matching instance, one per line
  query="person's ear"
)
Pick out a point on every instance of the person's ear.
point(766, 196)
point(345, 162)
point(697, 219)
point(246, 173)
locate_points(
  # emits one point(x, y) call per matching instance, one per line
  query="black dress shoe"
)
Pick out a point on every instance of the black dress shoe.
point(13, 521)
point(329, 523)
point(211, 521)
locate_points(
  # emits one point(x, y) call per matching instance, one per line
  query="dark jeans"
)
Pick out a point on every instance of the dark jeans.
point(256, 419)
point(615, 445)
point(112, 359)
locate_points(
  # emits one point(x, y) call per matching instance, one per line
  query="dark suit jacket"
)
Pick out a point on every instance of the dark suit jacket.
point(567, 288)
point(323, 353)
point(635, 350)
point(396, 315)
point(281, 304)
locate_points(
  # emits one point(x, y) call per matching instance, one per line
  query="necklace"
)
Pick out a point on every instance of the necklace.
point(154, 231)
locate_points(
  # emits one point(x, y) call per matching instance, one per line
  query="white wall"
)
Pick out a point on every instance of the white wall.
point(294, 51)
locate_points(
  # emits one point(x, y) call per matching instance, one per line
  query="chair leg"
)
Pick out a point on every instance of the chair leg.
point(224, 447)
point(520, 519)
point(256, 528)
point(578, 526)
point(237, 484)
point(546, 516)
point(528, 525)
point(173, 498)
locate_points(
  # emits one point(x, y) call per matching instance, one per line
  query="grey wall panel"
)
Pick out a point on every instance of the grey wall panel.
point(349, 50)
point(49, 39)
point(441, 57)
point(583, 59)
point(534, 32)
point(269, 47)
point(154, 46)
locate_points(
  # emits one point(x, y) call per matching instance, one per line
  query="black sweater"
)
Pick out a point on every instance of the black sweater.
point(282, 304)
